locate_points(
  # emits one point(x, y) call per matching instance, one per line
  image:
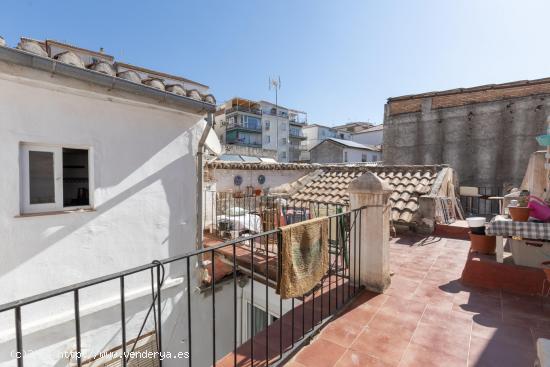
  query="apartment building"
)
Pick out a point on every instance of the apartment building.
point(274, 129)
point(316, 134)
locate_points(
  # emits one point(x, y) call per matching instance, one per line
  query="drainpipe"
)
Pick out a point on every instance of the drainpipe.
point(200, 171)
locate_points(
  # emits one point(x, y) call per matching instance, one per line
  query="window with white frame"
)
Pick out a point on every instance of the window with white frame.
point(267, 125)
point(363, 157)
point(54, 178)
point(345, 156)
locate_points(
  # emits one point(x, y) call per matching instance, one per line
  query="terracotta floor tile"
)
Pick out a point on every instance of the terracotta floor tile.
point(491, 328)
point(342, 332)
point(388, 345)
point(444, 316)
point(420, 356)
point(357, 359)
point(496, 353)
point(320, 353)
point(443, 339)
point(389, 321)
point(360, 315)
point(294, 364)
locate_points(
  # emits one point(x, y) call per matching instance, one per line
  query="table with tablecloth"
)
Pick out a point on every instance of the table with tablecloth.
point(501, 227)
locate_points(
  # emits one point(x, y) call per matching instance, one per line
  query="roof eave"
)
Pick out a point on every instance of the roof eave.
point(55, 67)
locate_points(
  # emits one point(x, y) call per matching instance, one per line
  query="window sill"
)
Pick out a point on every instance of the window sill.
point(58, 212)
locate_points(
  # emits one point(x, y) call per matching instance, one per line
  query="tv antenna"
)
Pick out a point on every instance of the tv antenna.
point(275, 83)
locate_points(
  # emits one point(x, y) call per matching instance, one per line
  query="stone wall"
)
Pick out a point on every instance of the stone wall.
point(327, 152)
point(488, 142)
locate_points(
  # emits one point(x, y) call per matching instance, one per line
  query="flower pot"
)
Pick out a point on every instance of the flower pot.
point(519, 213)
point(258, 192)
point(482, 244)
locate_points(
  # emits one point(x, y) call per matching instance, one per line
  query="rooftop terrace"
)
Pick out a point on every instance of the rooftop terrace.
point(429, 318)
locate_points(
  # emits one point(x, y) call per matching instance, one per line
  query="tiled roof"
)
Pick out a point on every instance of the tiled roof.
point(349, 144)
point(105, 64)
point(407, 183)
point(283, 166)
point(371, 129)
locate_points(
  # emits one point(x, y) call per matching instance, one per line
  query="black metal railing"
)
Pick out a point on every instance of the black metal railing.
point(481, 205)
point(248, 259)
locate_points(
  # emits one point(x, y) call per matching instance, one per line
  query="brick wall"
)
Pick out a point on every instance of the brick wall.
point(468, 96)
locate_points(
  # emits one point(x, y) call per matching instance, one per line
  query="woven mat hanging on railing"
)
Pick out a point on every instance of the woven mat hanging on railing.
point(304, 257)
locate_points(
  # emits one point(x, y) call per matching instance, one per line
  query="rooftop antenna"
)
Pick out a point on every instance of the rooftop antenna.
point(275, 83)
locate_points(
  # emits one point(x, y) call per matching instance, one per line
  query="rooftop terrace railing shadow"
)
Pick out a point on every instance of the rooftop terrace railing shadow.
point(277, 343)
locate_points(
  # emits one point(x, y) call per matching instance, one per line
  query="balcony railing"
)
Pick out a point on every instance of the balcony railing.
point(480, 205)
point(295, 135)
point(256, 111)
point(256, 257)
point(239, 125)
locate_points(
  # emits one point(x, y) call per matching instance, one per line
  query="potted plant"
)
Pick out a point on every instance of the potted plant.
point(479, 242)
point(520, 213)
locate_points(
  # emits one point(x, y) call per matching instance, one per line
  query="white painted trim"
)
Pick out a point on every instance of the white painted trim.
point(57, 149)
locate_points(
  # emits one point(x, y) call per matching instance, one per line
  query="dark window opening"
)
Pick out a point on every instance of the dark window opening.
point(75, 177)
point(41, 177)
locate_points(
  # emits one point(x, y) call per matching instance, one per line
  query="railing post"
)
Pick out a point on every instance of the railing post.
point(371, 195)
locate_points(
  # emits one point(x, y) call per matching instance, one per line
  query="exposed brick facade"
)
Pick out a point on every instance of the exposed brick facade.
point(462, 97)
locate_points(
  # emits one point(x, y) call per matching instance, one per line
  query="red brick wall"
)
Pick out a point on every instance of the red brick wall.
point(464, 98)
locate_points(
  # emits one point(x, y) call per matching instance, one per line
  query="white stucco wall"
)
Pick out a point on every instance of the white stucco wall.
point(369, 137)
point(144, 201)
point(224, 178)
point(356, 155)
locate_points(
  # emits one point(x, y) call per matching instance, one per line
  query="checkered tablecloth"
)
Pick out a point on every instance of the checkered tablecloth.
point(501, 226)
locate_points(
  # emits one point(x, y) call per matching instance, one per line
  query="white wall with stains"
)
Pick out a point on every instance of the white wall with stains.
point(144, 196)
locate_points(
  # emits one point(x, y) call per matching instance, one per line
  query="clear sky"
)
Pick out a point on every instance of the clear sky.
point(338, 60)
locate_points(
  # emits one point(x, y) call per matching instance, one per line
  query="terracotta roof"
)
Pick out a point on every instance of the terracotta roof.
point(370, 129)
point(407, 182)
point(283, 166)
point(102, 63)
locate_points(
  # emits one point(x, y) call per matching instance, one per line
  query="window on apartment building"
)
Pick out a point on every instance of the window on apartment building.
point(267, 139)
point(283, 141)
point(363, 157)
point(258, 322)
point(345, 156)
point(54, 178)
point(267, 125)
point(283, 155)
point(375, 158)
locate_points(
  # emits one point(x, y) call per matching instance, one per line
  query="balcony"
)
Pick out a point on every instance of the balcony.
point(255, 111)
point(299, 136)
point(295, 120)
point(253, 128)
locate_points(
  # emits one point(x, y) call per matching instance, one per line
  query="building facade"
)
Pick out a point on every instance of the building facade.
point(316, 134)
point(343, 151)
point(262, 125)
point(371, 136)
point(485, 133)
point(93, 159)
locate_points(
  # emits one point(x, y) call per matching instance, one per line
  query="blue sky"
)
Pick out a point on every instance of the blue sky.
point(338, 60)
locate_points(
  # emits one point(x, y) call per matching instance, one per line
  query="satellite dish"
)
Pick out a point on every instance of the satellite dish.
point(261, 179)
